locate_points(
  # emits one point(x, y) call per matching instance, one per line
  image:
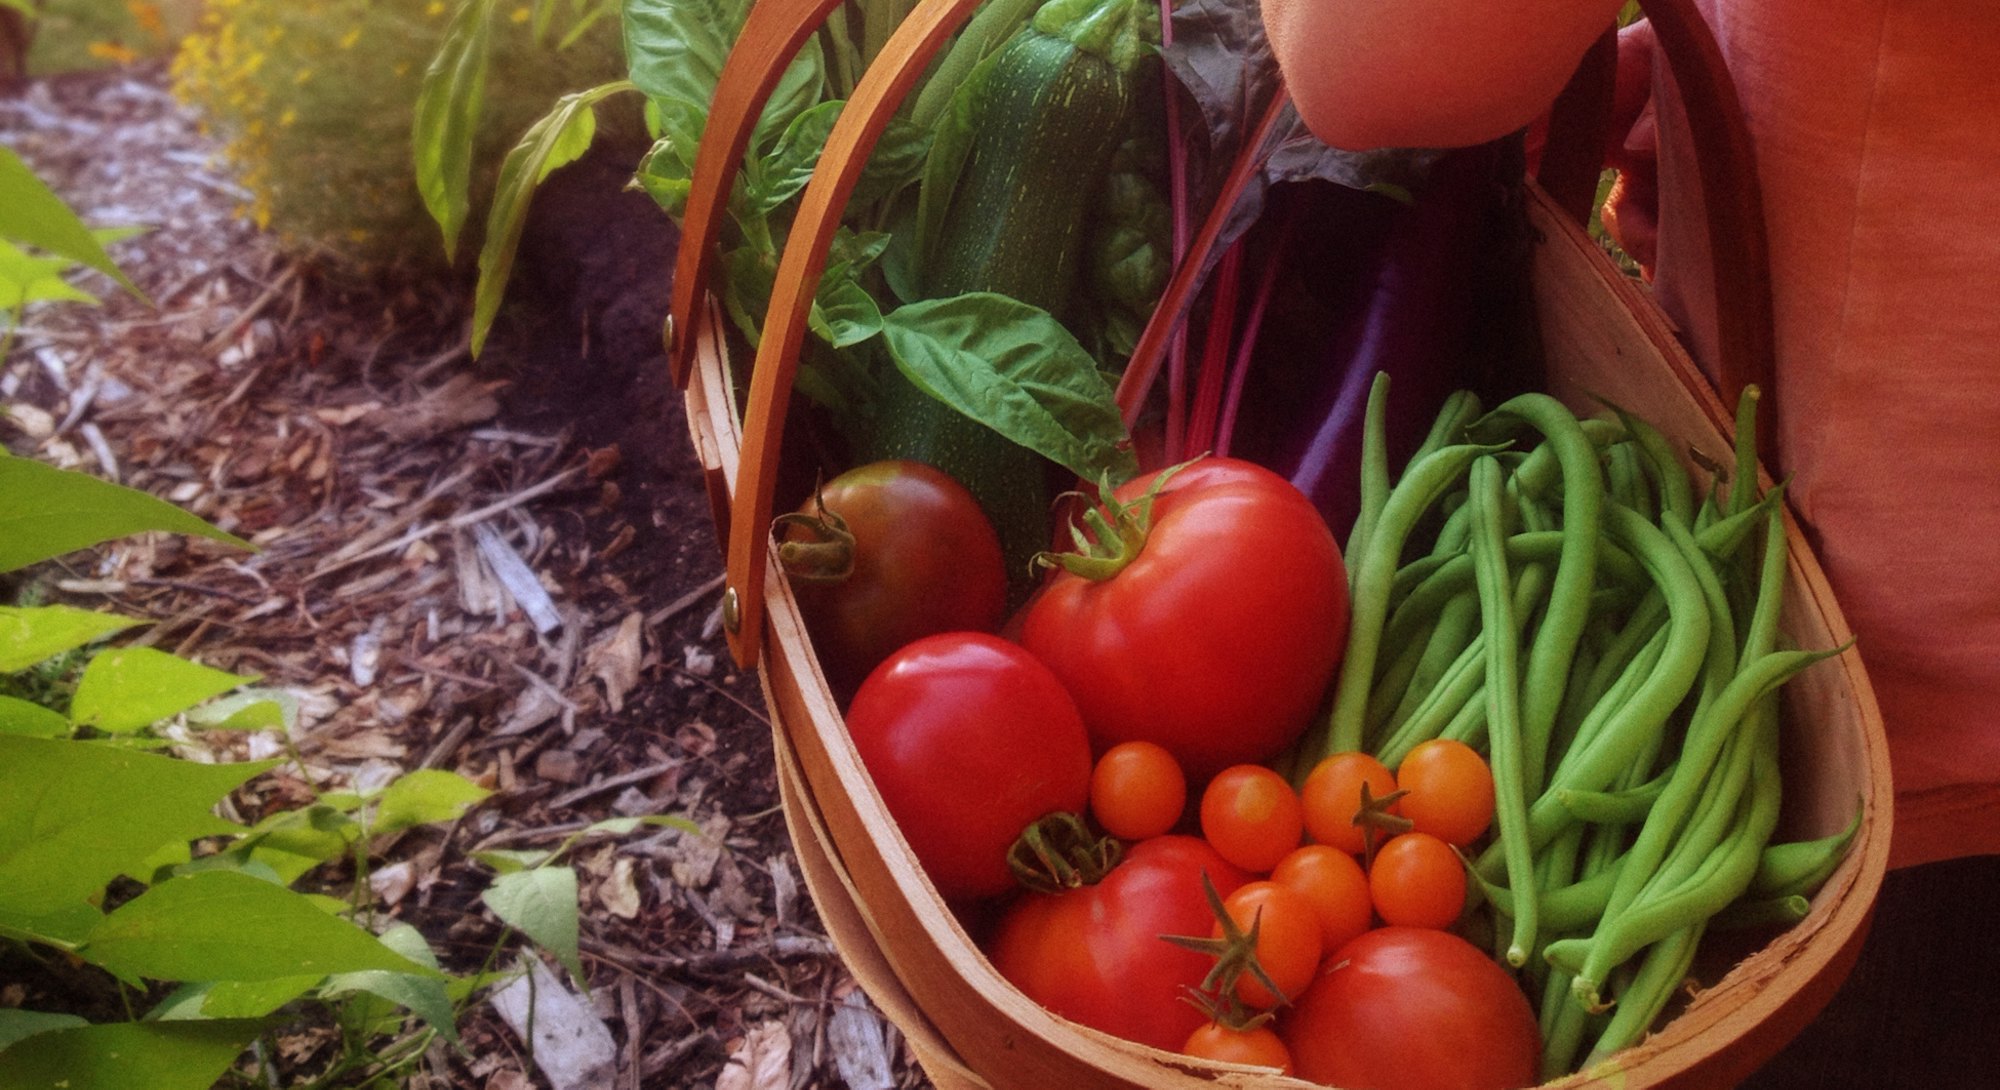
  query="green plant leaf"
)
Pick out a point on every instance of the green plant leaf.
point(626, 826)
point(251, 709)
point(30, 720)
point(16, 1024)
point(449, 104)
point(425, 796)
point(128, 1056)
point(1015, 369)
point(293, 842)
point(509, 861)
point(225, 925)
point(252, 998)
point(75, 815)
point(26, 278)
point(47, 512)
point(676, 48)
point(425, 996)
point(843, 312)
point(541, 904)
point(126, 688)
point(560, 137)
point(33, 634)
point(31, 213)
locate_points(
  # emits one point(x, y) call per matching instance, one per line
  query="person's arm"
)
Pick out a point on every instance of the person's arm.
point(1428, 73)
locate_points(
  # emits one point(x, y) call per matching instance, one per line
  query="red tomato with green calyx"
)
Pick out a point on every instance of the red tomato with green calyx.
point(1095, 954)
point(886, 553)
point(1406, 1008)
point(1208, 616)
point(969, 740)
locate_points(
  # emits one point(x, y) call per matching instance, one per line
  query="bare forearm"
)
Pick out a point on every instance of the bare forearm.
point(1428, 73)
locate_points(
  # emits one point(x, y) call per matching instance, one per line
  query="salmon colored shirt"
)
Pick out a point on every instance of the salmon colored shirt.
point(1876, 129)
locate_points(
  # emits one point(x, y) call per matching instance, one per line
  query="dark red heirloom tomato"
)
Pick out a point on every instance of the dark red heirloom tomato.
point(888, 552)
point(1410, 1008)
point(1210, 621)
point(969, 739)
point(1095, 954)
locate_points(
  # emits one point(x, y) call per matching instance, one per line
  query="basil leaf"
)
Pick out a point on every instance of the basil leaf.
point(1014, 368)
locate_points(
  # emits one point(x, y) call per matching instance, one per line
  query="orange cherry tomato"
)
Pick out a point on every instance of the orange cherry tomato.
point(1251, 816)
point(1335, 885)
point(1257, 1046)
point(1417, 880)
point(1288, 940)
point(1332, 798)
point(1449, 791)
point(1137, 790)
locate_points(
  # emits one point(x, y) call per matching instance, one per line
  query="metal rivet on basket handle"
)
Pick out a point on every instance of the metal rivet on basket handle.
point(882, 88)
point(1732, 200)
point(772, 35)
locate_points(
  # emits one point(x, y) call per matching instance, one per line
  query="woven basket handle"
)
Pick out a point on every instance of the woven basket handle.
point(882, 89)
point(1739, 251)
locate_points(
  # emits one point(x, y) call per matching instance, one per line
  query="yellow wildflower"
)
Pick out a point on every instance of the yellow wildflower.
point(113, 52)
point(348, 39)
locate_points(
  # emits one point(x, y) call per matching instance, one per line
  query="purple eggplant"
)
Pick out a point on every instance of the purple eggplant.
point(1432, 290)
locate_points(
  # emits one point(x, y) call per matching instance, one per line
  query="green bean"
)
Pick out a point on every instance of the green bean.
point(1458, 684)
point(1373, 573)
point(1393, 680)
point(1443, 708)
point(1626, 480)
point(1576, 572)
point(1423, 586)
point(1460, 409)
point(1634, 724)
point(1503, 695)
point(1669, 479)
point(1469, 725)
point(1374, 490)
point(1625, 807)
point(1659, 977)
point(1800, 867)
point(1571, 907)
point(1743, 490)
point(1457, 625)
point(1720, 880)
point(1781, 910)
point(1705, 738)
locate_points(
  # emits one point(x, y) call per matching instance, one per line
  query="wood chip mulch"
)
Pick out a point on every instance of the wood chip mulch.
point(453, 571)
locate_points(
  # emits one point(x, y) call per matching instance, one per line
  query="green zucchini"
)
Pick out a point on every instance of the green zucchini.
point(1008, 202)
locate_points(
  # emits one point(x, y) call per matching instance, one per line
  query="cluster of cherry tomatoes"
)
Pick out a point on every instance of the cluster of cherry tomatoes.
point(1354, 845)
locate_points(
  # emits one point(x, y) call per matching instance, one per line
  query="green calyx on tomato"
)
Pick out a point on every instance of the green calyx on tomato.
point(1059, 852)
point(826, 554)
point(1235, 954)
point(1377, 822)
point(1112, 535)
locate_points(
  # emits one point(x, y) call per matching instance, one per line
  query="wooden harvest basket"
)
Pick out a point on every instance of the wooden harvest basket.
point(971, 1028)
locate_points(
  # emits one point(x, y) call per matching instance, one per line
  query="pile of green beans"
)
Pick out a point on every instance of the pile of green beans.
point(1554, 591)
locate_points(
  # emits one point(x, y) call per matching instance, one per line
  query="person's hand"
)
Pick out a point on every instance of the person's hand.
point(1631, 211)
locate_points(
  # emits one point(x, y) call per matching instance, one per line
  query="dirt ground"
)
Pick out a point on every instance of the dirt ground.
point(503, 567)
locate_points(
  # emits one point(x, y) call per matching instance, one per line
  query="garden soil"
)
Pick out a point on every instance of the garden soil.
point(501, 566)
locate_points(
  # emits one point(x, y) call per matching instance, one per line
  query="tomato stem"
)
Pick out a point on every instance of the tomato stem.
point(826, 555)
point(1235, 953)
point(1112, 535)
point(1059, 852)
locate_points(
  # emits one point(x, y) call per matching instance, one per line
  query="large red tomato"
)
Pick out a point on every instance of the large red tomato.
point(1410, 1008)
point(1094, 954)
point(888, 552)
point(969, 739)
point(1213, 630)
